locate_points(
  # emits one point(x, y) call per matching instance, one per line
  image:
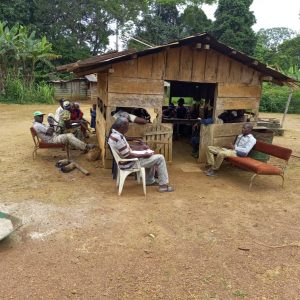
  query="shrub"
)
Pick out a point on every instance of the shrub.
point(274, 99)
point(18, 91)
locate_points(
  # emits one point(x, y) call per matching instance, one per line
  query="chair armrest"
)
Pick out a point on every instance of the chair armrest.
point(128, 159)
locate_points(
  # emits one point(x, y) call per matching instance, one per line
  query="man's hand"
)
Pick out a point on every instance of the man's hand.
point(139, 147)
point(147, 155)
point(50, 131)
point(230, 146)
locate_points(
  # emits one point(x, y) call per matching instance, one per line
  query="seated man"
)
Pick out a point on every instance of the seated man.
point(59, 110)
point(181, 110)
point(170, 112)
point(77, 117)
point(242, 146)
point(67, 125)
point(47, 134)
point(147, 159)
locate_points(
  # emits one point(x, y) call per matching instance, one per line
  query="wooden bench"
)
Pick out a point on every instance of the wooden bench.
point(262, 168)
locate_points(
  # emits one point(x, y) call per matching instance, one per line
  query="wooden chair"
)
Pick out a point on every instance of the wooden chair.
point(123, 173)
point(39, 144)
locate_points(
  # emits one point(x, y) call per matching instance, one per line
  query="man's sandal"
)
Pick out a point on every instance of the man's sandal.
point(166, 189)
point(154, 183)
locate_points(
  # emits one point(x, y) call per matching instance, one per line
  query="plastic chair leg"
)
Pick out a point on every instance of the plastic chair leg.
point(123, 176)
point(138, 177)
point(118, 178)
point(143, 175)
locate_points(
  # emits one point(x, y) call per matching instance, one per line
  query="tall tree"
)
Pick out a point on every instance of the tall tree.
point(194, 20)
point(268, 43)
point(233, 25)
point(164, 21)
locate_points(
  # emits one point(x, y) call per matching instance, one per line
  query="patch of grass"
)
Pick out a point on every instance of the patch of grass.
point(239, 293)
point(18, 91)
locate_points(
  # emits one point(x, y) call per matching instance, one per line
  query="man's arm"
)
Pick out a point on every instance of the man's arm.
point(50, 131)
point(139, 155)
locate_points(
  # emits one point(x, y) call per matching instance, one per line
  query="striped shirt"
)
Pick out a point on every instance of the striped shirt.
point(119, 143)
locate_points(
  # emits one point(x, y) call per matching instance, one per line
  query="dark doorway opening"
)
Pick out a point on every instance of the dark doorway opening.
point(198, 104)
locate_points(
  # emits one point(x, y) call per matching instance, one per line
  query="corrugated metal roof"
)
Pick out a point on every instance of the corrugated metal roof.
point(88, 65)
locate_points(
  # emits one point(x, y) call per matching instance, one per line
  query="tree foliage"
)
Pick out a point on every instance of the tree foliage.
point(233, 25)
point(166, 21)
point(21, 52)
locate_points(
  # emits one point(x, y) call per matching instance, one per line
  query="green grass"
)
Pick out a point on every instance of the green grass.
point(19, 92)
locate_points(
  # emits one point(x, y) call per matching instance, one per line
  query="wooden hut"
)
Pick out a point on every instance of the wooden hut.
point(226, 77)
point(77, 89)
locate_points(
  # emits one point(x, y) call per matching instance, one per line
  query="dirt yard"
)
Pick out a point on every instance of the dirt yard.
point(204, 241)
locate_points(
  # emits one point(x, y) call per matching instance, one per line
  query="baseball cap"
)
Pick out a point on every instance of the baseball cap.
point(66, 104)
point(38, 113)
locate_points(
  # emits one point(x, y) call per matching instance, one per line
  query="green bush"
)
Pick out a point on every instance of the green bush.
point(20, 92)
point(274, 99)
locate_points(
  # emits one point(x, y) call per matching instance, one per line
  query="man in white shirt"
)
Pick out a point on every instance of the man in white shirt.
point(148, 160)
point(47, 134)
point(130, 117)
point(242, 146)
point(59, 110)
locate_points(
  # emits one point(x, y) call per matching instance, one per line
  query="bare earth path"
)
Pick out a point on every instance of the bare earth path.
point(81, 241)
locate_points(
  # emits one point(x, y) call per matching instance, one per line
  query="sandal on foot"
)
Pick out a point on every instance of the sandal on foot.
point(166, 189)
point(155, 183)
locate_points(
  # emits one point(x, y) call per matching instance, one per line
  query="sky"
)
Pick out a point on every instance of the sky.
point(270, 13)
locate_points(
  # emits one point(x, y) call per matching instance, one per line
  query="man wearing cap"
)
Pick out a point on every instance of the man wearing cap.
point(47, 134)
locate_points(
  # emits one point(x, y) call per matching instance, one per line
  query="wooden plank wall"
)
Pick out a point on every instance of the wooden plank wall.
point(102, 87)
point(139, 82)
point(76, 91)
point(101, 132)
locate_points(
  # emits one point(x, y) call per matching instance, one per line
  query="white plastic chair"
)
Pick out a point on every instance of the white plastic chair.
point(123, 173)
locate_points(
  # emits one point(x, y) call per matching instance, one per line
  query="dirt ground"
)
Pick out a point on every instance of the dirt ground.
point(81, 241)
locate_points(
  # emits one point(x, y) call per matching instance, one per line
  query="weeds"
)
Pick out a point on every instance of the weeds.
point(16, 90)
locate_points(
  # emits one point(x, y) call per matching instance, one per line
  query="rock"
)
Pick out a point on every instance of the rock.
point(93, 154)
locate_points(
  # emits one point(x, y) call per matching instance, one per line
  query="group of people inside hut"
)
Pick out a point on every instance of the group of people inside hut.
point(202, 112)
point(61, 130)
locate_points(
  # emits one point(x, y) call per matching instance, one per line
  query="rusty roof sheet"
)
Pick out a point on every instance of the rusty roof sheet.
point(87, 66)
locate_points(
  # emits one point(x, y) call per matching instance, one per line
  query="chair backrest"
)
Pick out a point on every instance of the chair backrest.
point(114, 153)
point(34, 136)
point(274, 150)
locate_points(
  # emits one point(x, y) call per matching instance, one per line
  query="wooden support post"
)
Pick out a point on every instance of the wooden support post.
point(286, 108)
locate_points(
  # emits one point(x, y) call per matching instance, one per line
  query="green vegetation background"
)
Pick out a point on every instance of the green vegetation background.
point(28, 43)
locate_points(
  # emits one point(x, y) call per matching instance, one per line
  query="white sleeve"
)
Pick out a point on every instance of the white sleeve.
point(40, 128)
point(247, 147)
point(132, 117)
